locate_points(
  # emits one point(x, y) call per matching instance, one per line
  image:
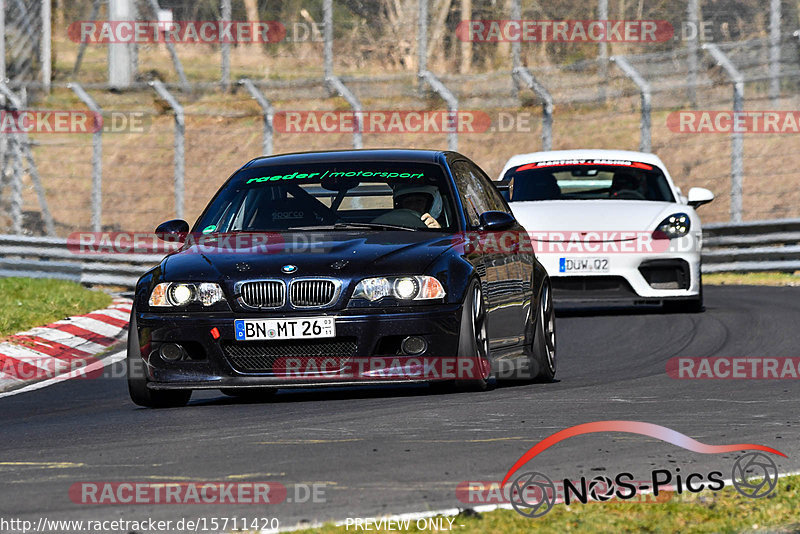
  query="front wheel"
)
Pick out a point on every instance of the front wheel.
point(473, 342)
point(543, 352)
point(137, 378)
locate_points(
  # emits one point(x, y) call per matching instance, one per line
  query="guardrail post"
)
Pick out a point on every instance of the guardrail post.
point(46, 45)
point(97, 155)
point(422, 43)
point(516, 52)
point(268, 113)
point(172, 52)
point(334, 84)
point(327, 16)
point(225, 49)
point(737, 141)
point(19, 144)
point(84, 44)
point(523, 75)
point(692, 46)
point(774, 51)
point(645, 144)
point(180, 130)
point(602, 53)
point(452, 106)
point(16, 192)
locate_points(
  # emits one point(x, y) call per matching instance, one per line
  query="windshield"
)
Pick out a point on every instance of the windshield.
point(337, 195)
point(587, 179)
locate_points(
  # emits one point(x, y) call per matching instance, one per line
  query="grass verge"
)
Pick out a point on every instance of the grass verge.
point(723, 511)
point(29, 302)
point(751, 279)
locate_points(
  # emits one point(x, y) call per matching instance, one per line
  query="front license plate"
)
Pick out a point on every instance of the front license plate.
point(583, 265)
point(302, 328)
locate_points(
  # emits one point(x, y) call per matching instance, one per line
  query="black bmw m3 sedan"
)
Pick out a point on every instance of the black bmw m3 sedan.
point(342, 268)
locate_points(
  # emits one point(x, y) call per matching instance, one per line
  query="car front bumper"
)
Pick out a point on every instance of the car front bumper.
point(366, 342)
point(640, 278)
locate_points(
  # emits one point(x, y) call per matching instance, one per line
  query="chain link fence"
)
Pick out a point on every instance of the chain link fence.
point(164, 149)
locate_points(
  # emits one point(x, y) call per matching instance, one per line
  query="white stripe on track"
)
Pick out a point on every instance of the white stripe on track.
point(65, 338)
point(112, 358)
point(93, 325)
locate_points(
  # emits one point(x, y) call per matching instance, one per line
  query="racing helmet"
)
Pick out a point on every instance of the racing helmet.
point(430, 193)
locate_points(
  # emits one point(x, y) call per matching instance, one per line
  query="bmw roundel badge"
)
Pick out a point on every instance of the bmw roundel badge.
point(289, 268)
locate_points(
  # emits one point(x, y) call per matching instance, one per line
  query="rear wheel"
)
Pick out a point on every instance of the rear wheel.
point(473, 342)
point(137, 377)
point(543, 352)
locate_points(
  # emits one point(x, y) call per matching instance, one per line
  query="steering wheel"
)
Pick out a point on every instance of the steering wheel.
point(628, 194)
point(401, 217)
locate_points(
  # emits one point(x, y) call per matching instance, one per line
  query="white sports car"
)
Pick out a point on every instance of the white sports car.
point(609, 226)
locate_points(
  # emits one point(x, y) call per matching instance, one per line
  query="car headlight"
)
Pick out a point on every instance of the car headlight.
point(172, 294)
point(399, 287)
point(676, 225)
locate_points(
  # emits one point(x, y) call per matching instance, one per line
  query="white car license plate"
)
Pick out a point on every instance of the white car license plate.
point(300, 328)
point(583, 265)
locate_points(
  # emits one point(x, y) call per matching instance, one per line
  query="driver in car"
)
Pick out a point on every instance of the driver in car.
point(424, 200)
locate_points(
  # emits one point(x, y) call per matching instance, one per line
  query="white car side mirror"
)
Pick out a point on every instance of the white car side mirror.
point(699, 196)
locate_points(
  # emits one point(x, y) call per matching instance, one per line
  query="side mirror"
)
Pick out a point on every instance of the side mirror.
point(496, 220)
point(176, 227)
point(699, 196)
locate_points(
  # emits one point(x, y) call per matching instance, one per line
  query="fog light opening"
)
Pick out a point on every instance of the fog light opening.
point(171, 352)
point(413, 345)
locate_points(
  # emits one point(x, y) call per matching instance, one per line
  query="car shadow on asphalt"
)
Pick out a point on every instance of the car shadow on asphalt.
point(610, 310)
point(357, 392)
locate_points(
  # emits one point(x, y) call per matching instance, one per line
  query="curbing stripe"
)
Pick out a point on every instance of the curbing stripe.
point(107, 319)
point(93, 325)
point(61, 349)
point(54, 335)
point(49, 348)
point(117, 314)
point(82, 333)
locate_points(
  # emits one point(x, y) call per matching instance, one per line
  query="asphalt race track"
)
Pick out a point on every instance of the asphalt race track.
point(380, 450)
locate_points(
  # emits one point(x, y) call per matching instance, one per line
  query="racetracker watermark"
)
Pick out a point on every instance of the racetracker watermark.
point(726, 122)
point(733, 368)
point(72, 121)
point(94, 243)
point(574, 242)
point(285, 242)
point(382, 122)
point(178, 31)
point(597, 489)
point(183, 493)
point(565, 31)
point(53, 360)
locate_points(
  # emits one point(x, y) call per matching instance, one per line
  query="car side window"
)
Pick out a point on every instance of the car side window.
point(469, 189)
point(495, 200)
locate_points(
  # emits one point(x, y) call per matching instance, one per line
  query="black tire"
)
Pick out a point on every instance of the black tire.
point(473, 340)
point(137, 378)
point(694, 305)
point(543, 360)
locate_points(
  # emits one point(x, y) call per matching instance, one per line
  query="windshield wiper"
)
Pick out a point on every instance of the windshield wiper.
point(353, 225)
point(374, 226)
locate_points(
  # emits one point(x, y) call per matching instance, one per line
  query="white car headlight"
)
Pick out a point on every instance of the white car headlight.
point(173, 294)
point(676, 225)
point(399, 287)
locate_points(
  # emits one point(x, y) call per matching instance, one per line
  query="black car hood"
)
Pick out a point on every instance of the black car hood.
point(342, 253)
